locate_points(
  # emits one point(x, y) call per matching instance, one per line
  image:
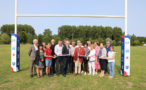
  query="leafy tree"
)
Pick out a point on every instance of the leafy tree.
point(91, 33)
point(113, 43)
point(30, 38)
point(133, 38)
point(117, 33)
point(83, 33)
point(142, 40)
point(5, 38)
point(47, 36)
point(101, 40)
point(119, 43)
point(136, 42)
point(47, 32)
point(56, 37)
point(40, 38)
point(46, 39)
point(9, 29)
point(23, 37)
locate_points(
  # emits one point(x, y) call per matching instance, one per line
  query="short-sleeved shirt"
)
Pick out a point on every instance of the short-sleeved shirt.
point(110, 55)
point(48, 52)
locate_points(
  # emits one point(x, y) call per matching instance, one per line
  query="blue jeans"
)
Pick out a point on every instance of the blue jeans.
point(111, 68)
point(48, 62)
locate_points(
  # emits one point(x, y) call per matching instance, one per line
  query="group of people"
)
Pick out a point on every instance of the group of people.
point(64, 58)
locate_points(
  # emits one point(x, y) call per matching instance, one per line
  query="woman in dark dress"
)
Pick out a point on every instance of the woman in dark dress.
point(39, 61)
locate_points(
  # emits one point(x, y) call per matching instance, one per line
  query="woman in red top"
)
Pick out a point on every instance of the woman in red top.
point(78, 59)
point(48, 60)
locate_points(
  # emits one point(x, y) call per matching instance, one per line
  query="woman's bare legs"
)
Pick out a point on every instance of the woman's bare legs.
point(47, 71)
point(41, 72)
point(102, 73)
point(37, 71)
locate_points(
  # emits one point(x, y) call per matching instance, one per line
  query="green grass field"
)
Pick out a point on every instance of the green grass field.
point(22, 80)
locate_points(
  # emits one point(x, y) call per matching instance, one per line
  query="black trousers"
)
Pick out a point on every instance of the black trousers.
point(106, 68)
point(103, 64)
point(70, 64)
point(65, 64)
point(44, 69)
point(85, 63)
point(82, 67)
point(53, 66)
point(59, 65)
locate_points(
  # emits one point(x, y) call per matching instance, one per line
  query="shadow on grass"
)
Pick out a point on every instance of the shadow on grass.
point(24, 69)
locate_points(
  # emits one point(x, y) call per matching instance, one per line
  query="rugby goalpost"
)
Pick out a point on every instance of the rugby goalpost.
point(125, 40)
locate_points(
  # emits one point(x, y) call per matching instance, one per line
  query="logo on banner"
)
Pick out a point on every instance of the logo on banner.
point(13, 54)
point(13, 63)
point(127, 57)
point(127, 51)
point(127, 67)
point(13, 48)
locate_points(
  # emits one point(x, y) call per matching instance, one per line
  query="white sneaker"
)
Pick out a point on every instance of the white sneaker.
point(85, 73)
point(95, 73)
point(82, 71)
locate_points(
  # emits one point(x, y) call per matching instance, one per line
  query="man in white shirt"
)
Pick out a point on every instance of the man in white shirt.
point(58, 52)
point(71, 63)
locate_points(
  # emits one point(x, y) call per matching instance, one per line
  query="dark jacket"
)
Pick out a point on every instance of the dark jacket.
point(52, 47)
point(38, 58)
point(65, 50)
point(32, 53)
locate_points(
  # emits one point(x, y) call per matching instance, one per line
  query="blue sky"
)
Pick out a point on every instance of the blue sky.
point(136, 13)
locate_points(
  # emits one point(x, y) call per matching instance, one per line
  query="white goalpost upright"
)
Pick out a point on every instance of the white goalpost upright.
point(125, 43)
point(16, 8)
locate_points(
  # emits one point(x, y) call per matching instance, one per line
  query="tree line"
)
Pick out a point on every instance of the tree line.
point(92, 33)
point(83, 33)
